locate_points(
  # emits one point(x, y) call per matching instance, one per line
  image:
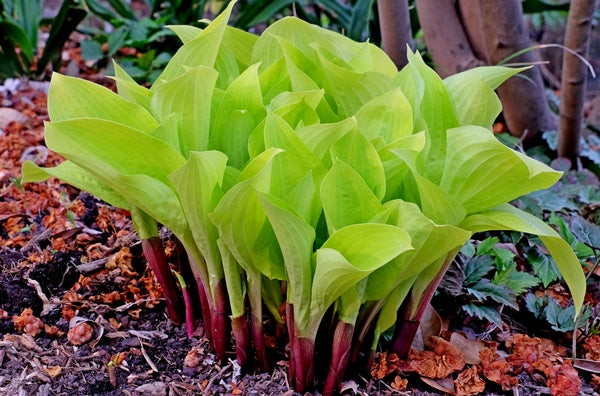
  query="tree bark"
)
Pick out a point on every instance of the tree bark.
point(394, 22)
point(525, 107)
point(445, 37)
point(470, 17)
point(574, 76)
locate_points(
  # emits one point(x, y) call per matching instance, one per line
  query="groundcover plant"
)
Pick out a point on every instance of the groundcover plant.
point(308, 180)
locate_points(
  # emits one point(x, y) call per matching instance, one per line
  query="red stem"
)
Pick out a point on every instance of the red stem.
point(403, 337)
point(289, 320)
point(340, 356)
point(258, 340)
point(407, 326)
point(205, 307)
point(219, 321)
point(304, 354)
point(241, 335)
point(157, 260)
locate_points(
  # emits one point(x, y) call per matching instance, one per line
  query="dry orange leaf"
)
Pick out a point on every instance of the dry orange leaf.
point(439, 362)
point(28, 323)
point(592, 347)
point(399, 383)
point(468, 348)
point(532, 353)
point(384, 364)
point(194, 357)
point(80, 333)
point(497, 369)
point(595, 382)
point(469, 382)
point(53, 371)
point(563, 380)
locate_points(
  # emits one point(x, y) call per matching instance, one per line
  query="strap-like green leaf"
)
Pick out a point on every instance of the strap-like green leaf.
point(128, 150)
point(70, 97)
point(481, 172)
point(198, 184)
point(189, 98)
point(346, 198)
point(76, 176)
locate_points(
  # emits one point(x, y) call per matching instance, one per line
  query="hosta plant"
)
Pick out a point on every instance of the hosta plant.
point(310, 182)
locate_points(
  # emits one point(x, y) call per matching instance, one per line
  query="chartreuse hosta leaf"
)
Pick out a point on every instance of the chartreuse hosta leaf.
point(240, 111)
point(358, 152)
point(243, 224)
point(75, 176)
point(429, 240)
point(436, 112)
point(298, 171)
point(346, 197)
point(472, 94)
point(507, 217)
point(388, 116)
point(69, 97)
point(348, 90)
point(306, 36)
point(239, 42)
point(199, 185)
point(129, 89)
point(481, 172)
point(347, 257)
point(200, 51)
point(117, 155)
point(296, 238)
point(187, 98)
point(320, 137)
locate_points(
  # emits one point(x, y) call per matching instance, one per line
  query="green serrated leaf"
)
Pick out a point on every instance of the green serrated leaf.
point(518, 281)
point(543, 266)
point(476, 268)
point(484, 288)
point(484, 312)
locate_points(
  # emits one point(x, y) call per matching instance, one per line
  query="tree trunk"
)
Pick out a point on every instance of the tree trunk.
point(574, 75)
point(525, 107)
point(470, 17)
point(394, 22)
point(446, 40)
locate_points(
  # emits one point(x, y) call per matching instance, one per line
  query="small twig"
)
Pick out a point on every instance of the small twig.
point(216, 376)
point(47, 305)
point(93, 265)
point(148, 360)
point(35, 241)
point(125, 307)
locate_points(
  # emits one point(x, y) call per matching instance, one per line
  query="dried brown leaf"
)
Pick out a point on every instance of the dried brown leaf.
point(497, 369)
point(469, 382)
point(532, 353)
point(592, 347)
point(563, 380)
point(469, 348)
point(28, 323)
point(384, 365)
point(439, 362)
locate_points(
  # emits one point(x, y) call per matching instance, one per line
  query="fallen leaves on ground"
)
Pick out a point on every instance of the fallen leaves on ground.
point(532, 353)
point(441, 360)
point(469, 382)
point(28, 323)
point(497, 369)
point(384, 365)
point(563, 379)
